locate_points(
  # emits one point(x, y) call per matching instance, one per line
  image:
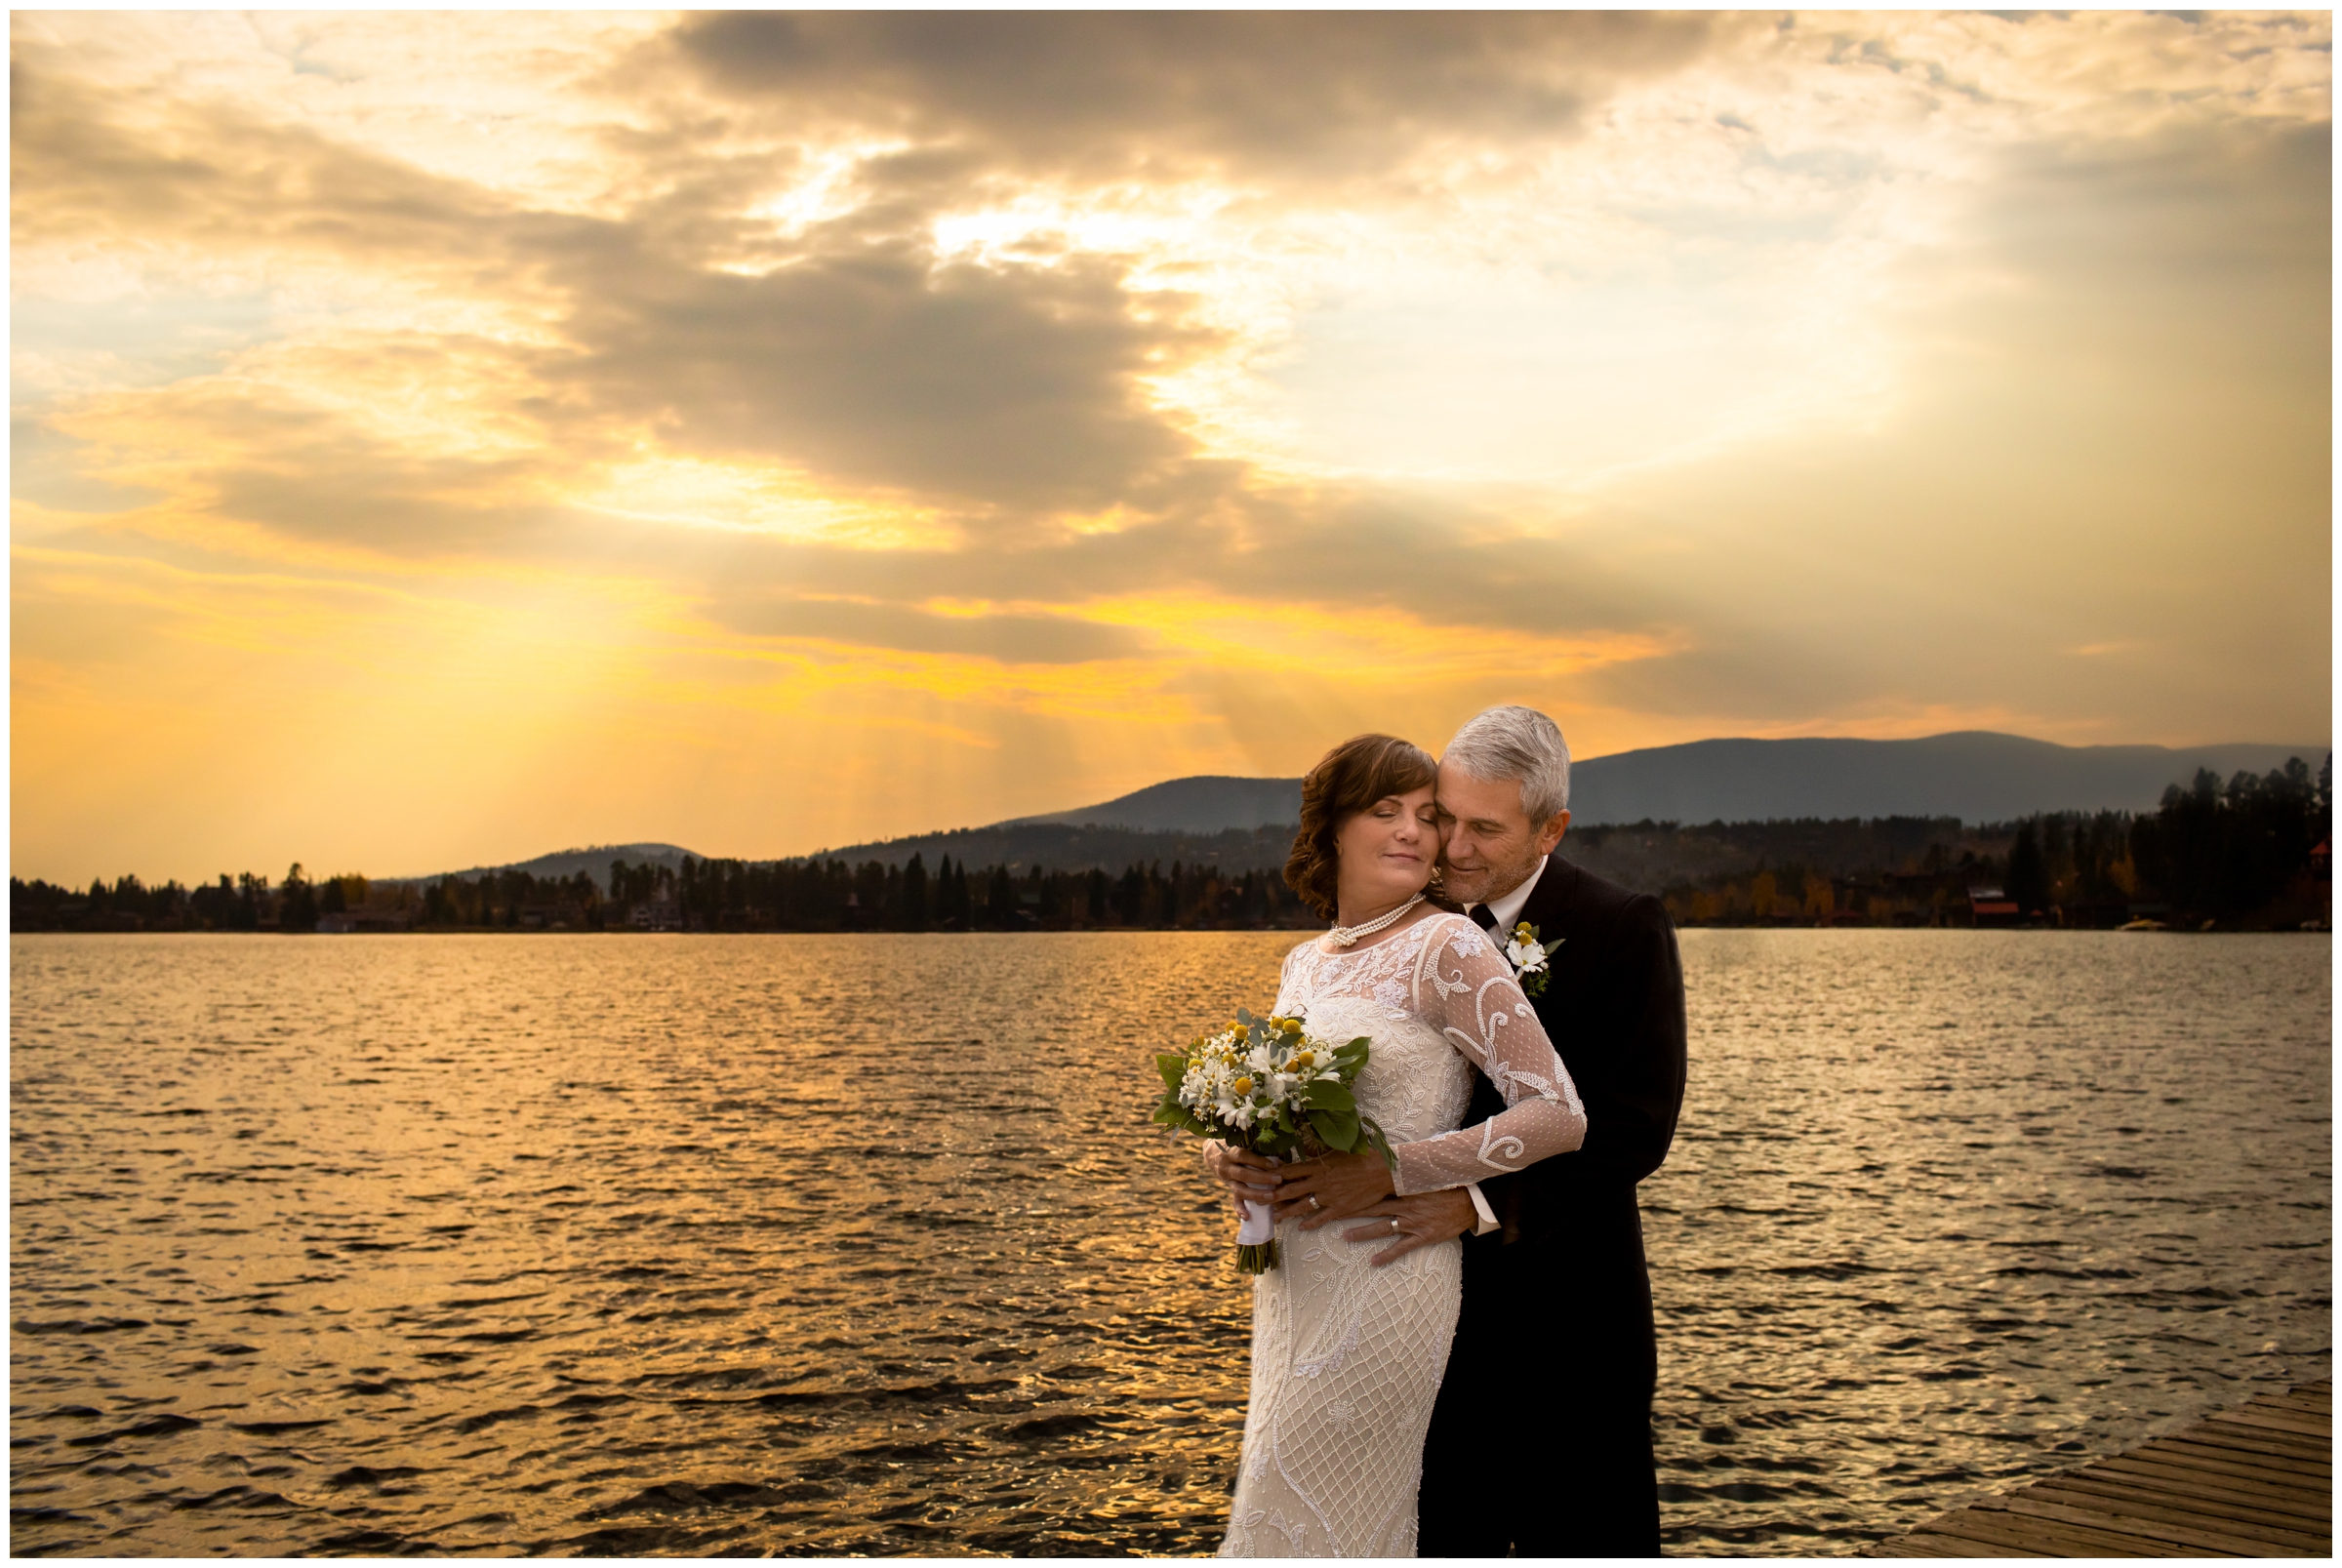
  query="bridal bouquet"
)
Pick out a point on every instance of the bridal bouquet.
point(1267, 1085)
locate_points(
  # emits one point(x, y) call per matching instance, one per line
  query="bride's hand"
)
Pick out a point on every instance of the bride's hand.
point(1247, 1174)
point(1330, 1187)
point(1416, 1221)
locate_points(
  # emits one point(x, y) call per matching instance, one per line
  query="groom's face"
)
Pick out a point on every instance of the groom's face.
point(1489, 844)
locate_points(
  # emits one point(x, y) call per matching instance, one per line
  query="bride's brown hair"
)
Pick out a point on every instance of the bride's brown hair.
point(1346, 780)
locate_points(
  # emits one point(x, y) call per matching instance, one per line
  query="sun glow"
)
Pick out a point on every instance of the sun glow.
point(448, 431)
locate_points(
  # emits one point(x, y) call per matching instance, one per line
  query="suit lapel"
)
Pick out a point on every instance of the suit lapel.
point(1552, 908)
point(1550, 899)
point(1547, 908)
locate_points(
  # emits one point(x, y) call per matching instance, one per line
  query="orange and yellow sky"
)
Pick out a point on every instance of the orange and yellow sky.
point(441, 438)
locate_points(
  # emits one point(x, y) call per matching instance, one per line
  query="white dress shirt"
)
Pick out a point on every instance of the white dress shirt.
point(1507, 909)
point(1504, 910)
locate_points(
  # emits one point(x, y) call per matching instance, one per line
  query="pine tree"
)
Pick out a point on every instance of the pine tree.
point(2027, 872)
point(914, 895)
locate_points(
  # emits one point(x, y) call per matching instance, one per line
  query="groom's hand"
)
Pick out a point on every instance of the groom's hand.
point(1416, 1221)
point(1330, 1187)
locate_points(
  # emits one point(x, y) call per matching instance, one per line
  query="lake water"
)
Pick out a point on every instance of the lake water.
point(729, 1245)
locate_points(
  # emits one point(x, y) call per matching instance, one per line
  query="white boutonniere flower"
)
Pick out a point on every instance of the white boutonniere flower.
point(1527, 956)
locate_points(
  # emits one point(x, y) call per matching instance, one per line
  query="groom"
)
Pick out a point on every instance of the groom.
point(1540, 1444)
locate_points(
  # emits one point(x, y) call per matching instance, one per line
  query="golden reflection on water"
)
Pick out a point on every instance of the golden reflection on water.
point(805, 1244)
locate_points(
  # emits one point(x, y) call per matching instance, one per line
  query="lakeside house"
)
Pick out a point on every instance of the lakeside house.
point(656, 914)
point(350, 921)
point(1993, 907)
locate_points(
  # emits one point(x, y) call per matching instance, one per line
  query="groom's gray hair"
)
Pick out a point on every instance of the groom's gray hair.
point(1516, 742)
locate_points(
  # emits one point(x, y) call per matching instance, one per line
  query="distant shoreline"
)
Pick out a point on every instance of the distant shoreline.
point(2255, 853)
point(2304, 929)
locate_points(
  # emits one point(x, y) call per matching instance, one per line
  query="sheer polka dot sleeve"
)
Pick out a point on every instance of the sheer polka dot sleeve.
point(1465, 990)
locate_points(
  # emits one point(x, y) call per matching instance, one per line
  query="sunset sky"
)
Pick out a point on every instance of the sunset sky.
point(442, 438)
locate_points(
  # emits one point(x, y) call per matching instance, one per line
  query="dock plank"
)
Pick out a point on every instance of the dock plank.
point(1924, 1544)
point(2220, 1489)
point(2161, 1508)
point(2268, 1433)
point(2306, 1398)
point(2288, 1457)
point(2284, 1423)
point(2305, 1470)
point(2116, 1519)
point(2200, 1498)
point(2255, 1480)
point(2222, 1461)
point(2050, 1537)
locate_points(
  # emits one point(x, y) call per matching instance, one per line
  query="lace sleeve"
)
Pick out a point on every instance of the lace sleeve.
point(1467, 992)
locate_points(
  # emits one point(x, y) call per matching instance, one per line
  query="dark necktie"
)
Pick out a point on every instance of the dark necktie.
point(1484, 917)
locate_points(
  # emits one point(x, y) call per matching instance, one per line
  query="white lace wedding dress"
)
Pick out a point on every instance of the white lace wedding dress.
point(1346, 1357)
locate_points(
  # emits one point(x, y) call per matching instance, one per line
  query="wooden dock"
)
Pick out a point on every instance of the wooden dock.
point(2256, 1481)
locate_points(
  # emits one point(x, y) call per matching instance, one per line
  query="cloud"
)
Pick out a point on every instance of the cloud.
point(2202, 236)
point(1013, 639)
point(240, 452)
point(1142, 393)
point(882, 366)
point(1348, 551)
point(48, 468)
point(207, 172)
point(864, 358)
point(1289, 96)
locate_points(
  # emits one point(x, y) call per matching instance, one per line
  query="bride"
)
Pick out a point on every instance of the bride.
point(1347, 1354)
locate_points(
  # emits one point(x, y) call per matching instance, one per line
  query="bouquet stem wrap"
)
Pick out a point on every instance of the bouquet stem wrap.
point(1256, 1236)
point(1263, 1084)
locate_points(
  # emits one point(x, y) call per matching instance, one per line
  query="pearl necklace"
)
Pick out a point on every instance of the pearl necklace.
point(1348, 935)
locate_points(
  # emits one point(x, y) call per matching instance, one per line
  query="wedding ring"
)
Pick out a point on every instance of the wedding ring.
point(1394, 1225)
point(1315, 1207)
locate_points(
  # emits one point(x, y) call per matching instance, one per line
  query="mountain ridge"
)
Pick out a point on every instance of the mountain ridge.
point(1977, 776)
point(1197, 803)
point(594, 857)
point(1747, 780)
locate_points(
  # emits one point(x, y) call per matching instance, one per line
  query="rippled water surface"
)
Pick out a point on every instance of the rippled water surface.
point(803, 1244)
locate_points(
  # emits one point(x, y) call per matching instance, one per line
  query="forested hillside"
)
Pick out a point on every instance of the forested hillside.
point(2253, 851)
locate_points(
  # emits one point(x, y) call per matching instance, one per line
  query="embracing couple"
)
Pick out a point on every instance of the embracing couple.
point(1464, 1340)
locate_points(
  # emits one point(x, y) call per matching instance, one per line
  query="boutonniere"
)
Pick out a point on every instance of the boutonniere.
point(1527, 955)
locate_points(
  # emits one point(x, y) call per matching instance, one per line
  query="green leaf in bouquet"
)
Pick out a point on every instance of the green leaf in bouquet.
point(1174, 1069)
point(1173, 1115)
point(1371, 1133)
point(1327, 1095)
point(1336, 1128)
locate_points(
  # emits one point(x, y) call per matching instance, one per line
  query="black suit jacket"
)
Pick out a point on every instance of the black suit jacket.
point(1549, 1454)
point(1614, 1009)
